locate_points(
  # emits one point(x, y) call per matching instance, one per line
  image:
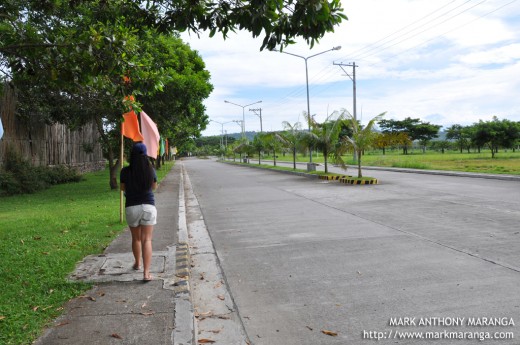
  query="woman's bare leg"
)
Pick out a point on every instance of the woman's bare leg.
point(146, 242)
point(136, 245)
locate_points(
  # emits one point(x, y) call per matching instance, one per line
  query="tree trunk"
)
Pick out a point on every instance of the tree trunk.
point(294, 158)
point(113, 174)
point(359, 164)
point(325, 159)
point(113, 167)
point(259, 157)
point(274, 157)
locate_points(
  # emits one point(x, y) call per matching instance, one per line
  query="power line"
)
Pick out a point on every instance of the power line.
point(327, 73)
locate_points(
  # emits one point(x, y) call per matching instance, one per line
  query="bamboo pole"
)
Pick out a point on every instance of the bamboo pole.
point(121, 167)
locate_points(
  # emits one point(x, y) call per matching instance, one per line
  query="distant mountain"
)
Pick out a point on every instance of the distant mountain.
point(249, 135)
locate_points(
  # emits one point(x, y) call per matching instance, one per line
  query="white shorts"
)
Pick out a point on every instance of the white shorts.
point(141, 215)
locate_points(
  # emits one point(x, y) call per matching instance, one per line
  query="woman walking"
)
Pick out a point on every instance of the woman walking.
point(138, 181)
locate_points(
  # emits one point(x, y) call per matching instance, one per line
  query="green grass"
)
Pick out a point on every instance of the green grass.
point(504, 163)
point(42, 237)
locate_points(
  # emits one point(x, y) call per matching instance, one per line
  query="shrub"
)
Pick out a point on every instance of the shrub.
point(18, 176)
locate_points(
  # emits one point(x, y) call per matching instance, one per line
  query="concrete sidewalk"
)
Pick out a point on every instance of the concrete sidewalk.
point(121, 308)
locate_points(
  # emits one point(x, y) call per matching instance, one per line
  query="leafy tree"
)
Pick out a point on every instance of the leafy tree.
point(442, 145)
point(389, 139)
point(414, 128)
point(362, 137)
point(459, 135)
point(90, 54)
point(496, 133)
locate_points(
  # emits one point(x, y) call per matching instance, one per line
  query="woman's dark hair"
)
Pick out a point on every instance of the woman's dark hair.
point(141, 172)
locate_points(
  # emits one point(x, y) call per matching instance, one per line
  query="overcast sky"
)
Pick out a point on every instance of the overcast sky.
point(444, 62)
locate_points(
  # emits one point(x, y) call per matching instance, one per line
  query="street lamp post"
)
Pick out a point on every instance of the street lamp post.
point(307, 82)
point(221, 133)
point(243, 115)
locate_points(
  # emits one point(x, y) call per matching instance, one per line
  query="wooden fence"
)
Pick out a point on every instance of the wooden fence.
point(47, 145)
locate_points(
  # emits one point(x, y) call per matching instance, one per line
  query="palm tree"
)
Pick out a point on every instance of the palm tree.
point(362, 137)
point(273, 143)
point(326, 135)
point(291, 137)
point(259, 145)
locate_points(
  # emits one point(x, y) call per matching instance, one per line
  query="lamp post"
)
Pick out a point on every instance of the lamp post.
point(243, 115)
point(222, 132)
point(307, 82)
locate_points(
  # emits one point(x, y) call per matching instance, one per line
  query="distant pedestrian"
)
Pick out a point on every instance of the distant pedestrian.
point(138, 181)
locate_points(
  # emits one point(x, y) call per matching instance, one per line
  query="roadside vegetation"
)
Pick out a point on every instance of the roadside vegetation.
point(505, 163)
point(484, 147)
point(43, 235)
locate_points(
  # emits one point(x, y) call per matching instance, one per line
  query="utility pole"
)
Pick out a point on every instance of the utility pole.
point(353, 78)
point(259, 115)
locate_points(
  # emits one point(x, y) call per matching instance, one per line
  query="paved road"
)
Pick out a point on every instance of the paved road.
point(302, 255)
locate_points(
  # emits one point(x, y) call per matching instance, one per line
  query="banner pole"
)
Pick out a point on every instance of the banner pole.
point(121, 167)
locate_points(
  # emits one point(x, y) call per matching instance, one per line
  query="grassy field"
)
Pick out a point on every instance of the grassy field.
point(42, 237)
point(504, 163)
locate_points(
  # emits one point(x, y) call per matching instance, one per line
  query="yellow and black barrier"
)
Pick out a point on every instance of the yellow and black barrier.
point(357, 181)
point(334, 177)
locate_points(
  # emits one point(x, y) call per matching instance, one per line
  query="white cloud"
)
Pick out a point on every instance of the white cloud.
point(454, 61)
point(500, 55)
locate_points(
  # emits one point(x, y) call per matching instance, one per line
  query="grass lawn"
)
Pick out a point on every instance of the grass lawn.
point(42, 237)
point(504, 163)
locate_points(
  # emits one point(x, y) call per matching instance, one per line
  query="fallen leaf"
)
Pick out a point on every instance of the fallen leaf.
point(115, 335)
point(36, 308)
point(51, 290)
point(101, 294)
point(36, 238)
point(206, 314)
point(21, 241)
point(221, 297)
point(2, 317)
point(62, 324)
point(332, 334)
point(224, 317)
point(144, 305)
point(59, 309)
point(206, 341)
point(45, 253)
point(216, 331)
point(149, 313)
point(92, 298)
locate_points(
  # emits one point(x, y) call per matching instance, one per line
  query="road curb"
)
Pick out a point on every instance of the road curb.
point(402, 170)
point(184, 320)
